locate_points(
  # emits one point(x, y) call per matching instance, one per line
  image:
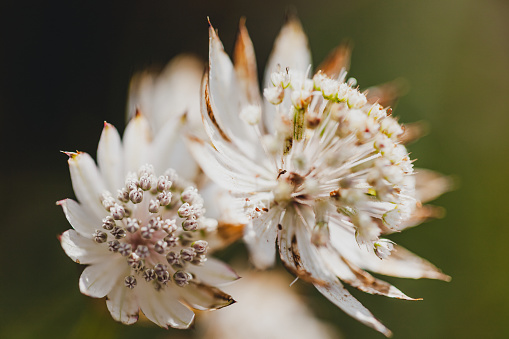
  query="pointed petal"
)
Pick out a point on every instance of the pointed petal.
point(340, 296)
point(260, 237)
point(123, 305)
point(401, 263)
point(162, 307)
point(137, 137)
point(87, 182)
point(81, 249)
point(165, 96)
point(337, 60)
point(213, 272)
point(231, 175)
point(110, 158)
point(387, 94)
point(245, 64)
point(430, 184)
point(80, 218)
point(204, 297)
point(168, 150)
point(290, 50)
point(225, 100)
point(98, 280)
point(413, 131)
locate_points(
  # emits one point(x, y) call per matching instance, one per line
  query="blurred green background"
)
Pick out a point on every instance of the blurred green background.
point(65, 68)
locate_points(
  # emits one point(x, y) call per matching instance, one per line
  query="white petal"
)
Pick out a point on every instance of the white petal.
point(162, 307)
point(290, 50)
point(169, 95)
point(168, 150)
point(336, 293)
point(81, 219)
point(110, 158)
point(97, 280)
point(81, 249)
point(137, 137)
point(123, 304)
point(260, 237)
point(226, 173)
point(203, 297)
point(87, 182)
point(401, 262)
point(227, 99)
point(213, 272)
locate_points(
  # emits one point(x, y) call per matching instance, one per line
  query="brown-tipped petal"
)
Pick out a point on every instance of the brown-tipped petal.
point(338, 59)
point(388, 93)
point(204, 297)
point(422, 214)
point(244, 60)
point(413, 132)
point(430, 184)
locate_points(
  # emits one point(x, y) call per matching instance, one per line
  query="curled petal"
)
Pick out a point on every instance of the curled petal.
point(213, 272)
point(82, 250)
point(204, 297)
point(162, 307)
point(97, 280)
point(80, 218)
point(123, 305)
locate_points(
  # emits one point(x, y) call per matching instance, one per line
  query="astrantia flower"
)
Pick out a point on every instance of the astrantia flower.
point(139, 231)
point(317, 165)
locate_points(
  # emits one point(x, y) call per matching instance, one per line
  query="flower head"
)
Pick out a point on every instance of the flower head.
point(139, 230)
point(323, 171)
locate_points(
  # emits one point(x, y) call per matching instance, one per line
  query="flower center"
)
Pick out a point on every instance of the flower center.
point(151, 224)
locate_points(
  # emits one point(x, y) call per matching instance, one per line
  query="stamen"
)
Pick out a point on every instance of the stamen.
point(149, 274)
point(142, 251)
point(169, 226)
point(163, 184)
point(146, 232)
point(99, 236)
point(171, 240)
point(160, 246)
point(182, 278)
point(136, 195)
point(200, 246)
point(164, 198)
point(125, 249)
point(184, 210)
point(133, 260)
point(123, 195)
point(155, 223)
point(118, 232)
point(190, 224)
point(132, 225)
point(187, 254)
point(145, 183)
point(113, 245)
point(173, 258)
point(117, 212)
point(108, 223)
point(130, 281)
point(153, 206)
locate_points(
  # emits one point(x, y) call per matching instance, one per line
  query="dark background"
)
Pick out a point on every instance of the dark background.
point(65, 68)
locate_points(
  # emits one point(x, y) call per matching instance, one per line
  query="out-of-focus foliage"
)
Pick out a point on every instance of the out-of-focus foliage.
point(66, 67)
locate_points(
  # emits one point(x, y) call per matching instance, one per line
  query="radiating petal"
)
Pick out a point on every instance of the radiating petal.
point(387, 94)
point(168, 150)
point(225, 173)
point(97, 280)
point(162, 307)
point(123, 304)
point(340, 296)
point(244, 59)
point(401, 262)
point(81, 249)
point(110, 158)
point(227, 100)
point(81, 219)
point(204, 297)
point(164, 97)
point(430, 184)
point(260, 237)
point(213, 272)
point(137, 137)
point(87, 182)
point(336, 61)
point(290, 50)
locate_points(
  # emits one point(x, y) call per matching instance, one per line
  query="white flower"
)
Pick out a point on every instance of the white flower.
point(134, 228)
point(324, 173)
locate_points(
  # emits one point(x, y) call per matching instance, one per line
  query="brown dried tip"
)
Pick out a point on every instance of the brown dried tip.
point(337, 59)
point(413, 132)
point(388, 93)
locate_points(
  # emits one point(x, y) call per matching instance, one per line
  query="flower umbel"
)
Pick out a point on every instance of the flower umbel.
point(138, 232)
point(318, 166)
